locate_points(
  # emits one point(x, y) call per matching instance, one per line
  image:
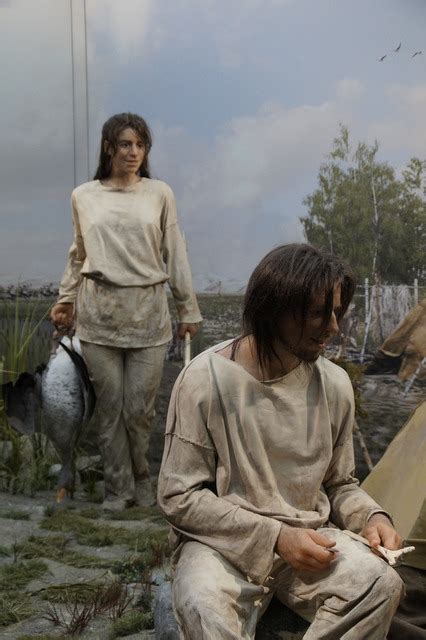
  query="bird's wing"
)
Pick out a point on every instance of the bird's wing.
point(86, 385)
point(22, 403)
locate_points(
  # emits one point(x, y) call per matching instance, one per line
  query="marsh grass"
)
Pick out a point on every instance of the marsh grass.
point(14, 514)
point(24, 344)
point(55, 548)
point(136, 513)
point(14, 607)
point(14, 577)
point(131, 623)
point(101, 535)
point(78, 592)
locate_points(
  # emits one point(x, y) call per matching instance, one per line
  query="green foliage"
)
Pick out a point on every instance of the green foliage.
point(361, 211)
point(131, 623)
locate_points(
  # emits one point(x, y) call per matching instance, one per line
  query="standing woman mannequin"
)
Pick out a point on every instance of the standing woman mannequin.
point(127, 244)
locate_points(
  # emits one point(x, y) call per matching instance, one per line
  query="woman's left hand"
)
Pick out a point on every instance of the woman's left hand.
point(190, 327)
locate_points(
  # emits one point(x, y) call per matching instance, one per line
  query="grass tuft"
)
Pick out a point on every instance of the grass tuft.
point(101, 535)
point(132, 622)
point(14, 607)
point(55, 548)
point(14, 577)
point(14, 514)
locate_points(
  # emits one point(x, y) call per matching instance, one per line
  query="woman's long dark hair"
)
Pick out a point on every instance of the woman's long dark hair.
point(286, 280)
point(110, 133)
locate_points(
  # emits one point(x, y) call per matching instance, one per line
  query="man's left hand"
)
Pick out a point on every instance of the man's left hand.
point(379, 531)
point(183, 327)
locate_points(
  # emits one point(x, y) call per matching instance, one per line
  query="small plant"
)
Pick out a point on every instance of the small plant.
point(111, 598)
point(55, 548)
point(14, 514)
point(16, 576)
point(131, 623)
point(14, 607)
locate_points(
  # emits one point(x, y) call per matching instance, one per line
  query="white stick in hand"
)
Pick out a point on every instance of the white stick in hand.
point(391, 555)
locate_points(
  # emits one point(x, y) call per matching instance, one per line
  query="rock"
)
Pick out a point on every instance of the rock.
point(88, 463)
point(164, 619)
point(54, 470)
point(6, 450)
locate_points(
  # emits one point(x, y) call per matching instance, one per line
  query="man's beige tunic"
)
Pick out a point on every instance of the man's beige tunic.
point(127, 245)
point(242, 457)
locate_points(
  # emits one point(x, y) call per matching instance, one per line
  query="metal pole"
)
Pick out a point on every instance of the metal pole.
point(416, 292)
point(80, 90)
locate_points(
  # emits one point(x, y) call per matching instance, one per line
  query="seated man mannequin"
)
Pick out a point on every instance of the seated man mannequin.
point(257, 473)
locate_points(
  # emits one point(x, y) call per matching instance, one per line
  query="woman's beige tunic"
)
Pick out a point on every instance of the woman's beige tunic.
point(242, 457)
point(127, 245)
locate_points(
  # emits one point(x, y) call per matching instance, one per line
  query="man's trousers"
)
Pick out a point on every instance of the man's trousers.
point(355, 598)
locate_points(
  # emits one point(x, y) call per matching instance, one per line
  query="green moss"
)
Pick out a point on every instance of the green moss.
point(16, 576)
point(14, 514)
point(14, 607)
point(132, 622)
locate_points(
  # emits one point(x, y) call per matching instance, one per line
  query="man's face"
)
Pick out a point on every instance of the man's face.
point(309, 342)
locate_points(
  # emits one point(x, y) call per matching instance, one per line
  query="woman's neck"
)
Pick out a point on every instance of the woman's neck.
point(121, 180)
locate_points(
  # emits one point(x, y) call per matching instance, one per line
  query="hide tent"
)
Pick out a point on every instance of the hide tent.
point(398, 483)
point(404, 351)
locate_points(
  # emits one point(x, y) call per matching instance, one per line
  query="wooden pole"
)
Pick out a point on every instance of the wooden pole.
point(363, 446)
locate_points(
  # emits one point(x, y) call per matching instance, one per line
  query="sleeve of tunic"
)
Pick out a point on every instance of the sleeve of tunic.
point(177, 265)
point(351, 506)
point(186, 489)
point(76, 256)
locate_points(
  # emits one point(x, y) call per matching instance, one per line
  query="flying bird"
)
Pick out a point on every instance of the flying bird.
point(382, 58)
point(398, 47)
point(63, 393)
point(416, 53)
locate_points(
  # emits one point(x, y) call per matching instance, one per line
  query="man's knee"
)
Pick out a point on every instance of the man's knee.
point(392, 585)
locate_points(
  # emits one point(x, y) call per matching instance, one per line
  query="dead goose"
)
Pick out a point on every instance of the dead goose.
point(64, 395)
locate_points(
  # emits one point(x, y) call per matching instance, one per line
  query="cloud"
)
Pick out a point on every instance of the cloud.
point(405, 130)
point(125, 24)
point(241, 193)
point(349, 89)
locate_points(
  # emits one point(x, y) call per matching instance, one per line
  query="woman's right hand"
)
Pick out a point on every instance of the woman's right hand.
point(62, 315)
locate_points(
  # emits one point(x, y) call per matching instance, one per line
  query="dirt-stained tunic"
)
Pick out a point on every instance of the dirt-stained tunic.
point(127, 245)
point(242, 457)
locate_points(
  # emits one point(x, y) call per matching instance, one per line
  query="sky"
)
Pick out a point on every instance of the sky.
point(244, 98)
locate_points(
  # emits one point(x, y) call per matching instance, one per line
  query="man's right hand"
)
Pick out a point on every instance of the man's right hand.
point(304, 549)
point(62, 315)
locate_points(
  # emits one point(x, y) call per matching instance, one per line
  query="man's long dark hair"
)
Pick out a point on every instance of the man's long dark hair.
point(286, 280)
point(110, 133)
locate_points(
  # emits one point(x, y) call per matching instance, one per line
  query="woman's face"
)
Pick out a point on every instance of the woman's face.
point(129, 154)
